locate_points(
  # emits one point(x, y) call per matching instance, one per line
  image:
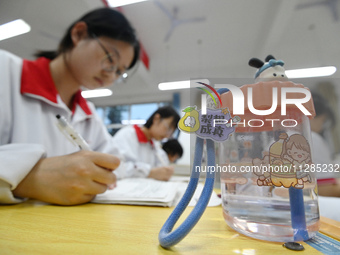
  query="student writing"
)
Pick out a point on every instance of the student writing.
point(138, 146)
point(36, 160)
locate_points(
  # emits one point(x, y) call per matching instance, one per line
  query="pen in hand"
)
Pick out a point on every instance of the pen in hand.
point(71, 134)
point(74, 137)
point(161, 160)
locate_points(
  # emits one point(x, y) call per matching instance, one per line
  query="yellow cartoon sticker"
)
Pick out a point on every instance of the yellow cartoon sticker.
point(285, 163)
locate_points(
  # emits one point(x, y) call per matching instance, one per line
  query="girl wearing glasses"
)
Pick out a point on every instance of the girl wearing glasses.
point(36, 159)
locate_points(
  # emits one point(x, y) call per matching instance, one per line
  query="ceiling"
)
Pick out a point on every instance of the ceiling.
point(225, 34)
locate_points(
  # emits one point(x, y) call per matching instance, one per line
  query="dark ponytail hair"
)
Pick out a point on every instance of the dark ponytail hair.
point(101, 22)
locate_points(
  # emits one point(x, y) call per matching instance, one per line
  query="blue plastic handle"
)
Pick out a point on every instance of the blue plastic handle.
point(166, 237)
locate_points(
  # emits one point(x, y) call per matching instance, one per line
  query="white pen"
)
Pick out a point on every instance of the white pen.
point(160, 159)
point(71, 134)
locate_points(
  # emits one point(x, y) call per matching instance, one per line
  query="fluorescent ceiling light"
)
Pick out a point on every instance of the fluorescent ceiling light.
point(182, 84)
point(133, 122)
point(96, 93)
point(311, 72)
point(117, 3)
point(13, 28)
point(174, 85)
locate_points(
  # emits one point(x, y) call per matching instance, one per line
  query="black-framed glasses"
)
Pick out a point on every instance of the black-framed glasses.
point(111, 62)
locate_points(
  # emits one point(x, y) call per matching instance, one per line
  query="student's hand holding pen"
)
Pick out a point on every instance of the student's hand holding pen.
point(69, 180)
point(162, 173)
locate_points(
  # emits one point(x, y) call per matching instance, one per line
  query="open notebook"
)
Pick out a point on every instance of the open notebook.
point(140, 191)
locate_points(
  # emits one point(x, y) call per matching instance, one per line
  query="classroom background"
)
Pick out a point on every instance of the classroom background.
point(194, 39)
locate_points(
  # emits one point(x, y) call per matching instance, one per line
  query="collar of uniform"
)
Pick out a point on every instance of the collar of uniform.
point(141, 136)
point(36, 79)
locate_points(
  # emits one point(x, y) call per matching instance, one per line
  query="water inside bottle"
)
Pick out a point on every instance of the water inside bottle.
point(257, 204)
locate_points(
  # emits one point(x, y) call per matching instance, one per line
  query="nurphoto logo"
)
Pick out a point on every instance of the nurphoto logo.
point(215, 120)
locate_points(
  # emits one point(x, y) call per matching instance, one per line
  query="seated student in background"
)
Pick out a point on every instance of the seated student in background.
point(173, 149)
point(328, 185)
point(37, 161)
point(139, 149)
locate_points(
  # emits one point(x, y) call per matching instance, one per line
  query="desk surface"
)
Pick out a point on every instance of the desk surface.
point(36, 228)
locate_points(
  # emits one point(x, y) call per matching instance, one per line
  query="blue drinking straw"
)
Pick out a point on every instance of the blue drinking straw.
point(298, 216)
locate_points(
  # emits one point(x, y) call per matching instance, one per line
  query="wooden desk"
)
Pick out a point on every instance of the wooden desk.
point(36, 228)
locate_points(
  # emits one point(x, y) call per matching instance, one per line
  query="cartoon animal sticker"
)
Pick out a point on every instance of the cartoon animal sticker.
point(189, 122)
point(215, 124)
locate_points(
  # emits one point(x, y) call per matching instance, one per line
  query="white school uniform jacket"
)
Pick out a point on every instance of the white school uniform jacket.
point(29, 103)
point(138, 154)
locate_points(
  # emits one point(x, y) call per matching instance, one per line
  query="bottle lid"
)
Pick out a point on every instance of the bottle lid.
point(262, 99)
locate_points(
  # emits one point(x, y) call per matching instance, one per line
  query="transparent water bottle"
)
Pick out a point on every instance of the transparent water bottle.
point(268, 184)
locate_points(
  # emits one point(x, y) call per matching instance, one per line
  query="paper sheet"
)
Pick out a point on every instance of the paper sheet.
point(140, 191)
